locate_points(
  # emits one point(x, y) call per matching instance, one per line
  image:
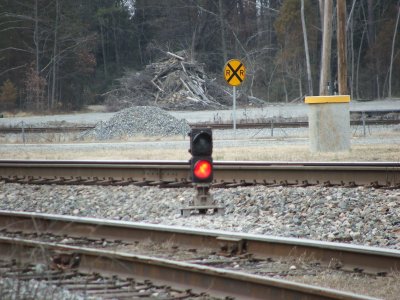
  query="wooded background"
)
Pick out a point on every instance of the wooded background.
point(63, 54)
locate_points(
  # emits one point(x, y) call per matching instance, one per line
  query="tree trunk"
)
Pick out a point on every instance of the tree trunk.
point(103, 48)
point(243, 28)
point(300, 87)
point(326, 49)
point(350, 14)
point(223, 39)
point(36, 36)
point(321, 12)
point(55, 59)
point(116, 43)
point(341, 47)
point(309, 77)
point(284, 86)
point(370, 22)
point(358, 62)
point(392, 54)
point(371, 42)
point(352, 57)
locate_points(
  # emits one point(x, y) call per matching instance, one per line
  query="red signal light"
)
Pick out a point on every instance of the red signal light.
point(202, 169)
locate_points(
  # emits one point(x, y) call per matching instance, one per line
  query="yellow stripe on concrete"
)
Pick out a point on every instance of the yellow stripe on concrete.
point(327, 99)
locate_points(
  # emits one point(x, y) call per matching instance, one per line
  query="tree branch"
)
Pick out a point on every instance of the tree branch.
point(11, 28)
point(16, 49)
point(15, 68)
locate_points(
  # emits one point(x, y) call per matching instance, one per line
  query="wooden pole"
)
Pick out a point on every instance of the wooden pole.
point(341, 45)
point(326, 49)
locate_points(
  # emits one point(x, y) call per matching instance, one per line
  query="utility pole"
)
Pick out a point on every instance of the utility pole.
point(303, 24)
point(341, 47)
point(326, 48)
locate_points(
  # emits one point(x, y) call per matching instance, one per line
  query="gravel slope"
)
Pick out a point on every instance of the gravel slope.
point(139, 120)
point(357, 215)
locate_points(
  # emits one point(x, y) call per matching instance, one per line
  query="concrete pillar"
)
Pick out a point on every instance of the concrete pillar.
point(329, 123)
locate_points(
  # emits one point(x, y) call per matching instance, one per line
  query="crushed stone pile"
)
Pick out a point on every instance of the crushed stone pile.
point(138, 121)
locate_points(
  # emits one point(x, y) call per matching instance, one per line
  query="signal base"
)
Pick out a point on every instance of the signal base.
point(186, 212)
point(203, 201)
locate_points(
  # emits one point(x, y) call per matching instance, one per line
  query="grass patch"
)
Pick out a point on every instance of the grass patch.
point(381, 287)
point(377, 152)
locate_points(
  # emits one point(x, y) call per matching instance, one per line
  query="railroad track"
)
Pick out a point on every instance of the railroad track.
point(286, 124)
point(239, 125)
point(57, 280)
point(44, 129)
point(179, 276)
point(177, 173)
point(198, 281)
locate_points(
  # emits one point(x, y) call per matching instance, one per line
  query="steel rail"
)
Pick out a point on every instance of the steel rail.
point(226, 173)
point(352, 257)
point(239, 125)
point(44, 129)
point(216, 282)
point(286, 124)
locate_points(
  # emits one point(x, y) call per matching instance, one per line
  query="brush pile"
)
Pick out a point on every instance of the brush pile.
point(173, 83)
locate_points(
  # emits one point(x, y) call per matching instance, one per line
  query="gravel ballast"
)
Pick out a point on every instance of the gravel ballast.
point(360, 215)
point(11, 289)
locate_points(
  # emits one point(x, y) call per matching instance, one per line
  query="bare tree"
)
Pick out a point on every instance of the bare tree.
point(117, 58)
point(221, 22)
point(309, 77)
point(54, 76)
point(392, 54)
point(36, 36)
point(321, 12)
point(371, 22)
point(103, 47)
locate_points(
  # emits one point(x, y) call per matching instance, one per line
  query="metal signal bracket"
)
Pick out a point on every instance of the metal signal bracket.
point(202, 202)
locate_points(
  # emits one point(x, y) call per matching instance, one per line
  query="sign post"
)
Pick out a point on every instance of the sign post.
point(234, 74)
point(234, 110)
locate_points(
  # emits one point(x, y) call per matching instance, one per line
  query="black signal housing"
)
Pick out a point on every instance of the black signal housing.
point(201, 163)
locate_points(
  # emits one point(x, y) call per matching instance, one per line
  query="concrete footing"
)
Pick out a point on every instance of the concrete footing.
point(329, 124)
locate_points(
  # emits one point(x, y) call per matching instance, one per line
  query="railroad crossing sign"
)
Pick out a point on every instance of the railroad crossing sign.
point(234, 72)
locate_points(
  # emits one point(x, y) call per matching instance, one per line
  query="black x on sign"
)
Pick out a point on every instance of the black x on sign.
point(234, 72)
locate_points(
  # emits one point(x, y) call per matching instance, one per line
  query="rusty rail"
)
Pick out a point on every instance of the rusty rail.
point(243, 124)
point(216, 282)
point(176, 173)
point(286, 124)
point(45, 129)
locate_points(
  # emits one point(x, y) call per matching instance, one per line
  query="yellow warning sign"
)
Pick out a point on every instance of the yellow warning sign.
point(234, 72)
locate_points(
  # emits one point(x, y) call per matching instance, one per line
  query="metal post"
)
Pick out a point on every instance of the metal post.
point(272, 127)
point(23, 131)
point(203, 196)
point(234, 111)
point(363, 122)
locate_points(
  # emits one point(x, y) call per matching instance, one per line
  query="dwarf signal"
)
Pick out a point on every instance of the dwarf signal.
point(201, 163)
point(201, 172)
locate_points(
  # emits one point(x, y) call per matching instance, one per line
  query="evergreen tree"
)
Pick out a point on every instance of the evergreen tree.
point(8, 95)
